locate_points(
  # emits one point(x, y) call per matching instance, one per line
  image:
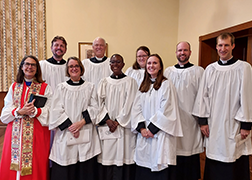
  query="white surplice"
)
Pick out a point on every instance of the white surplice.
point(94, 72)
point(186, 82)
point(115, 97)
point(53, 74)
point(159, 107)
point(69, 102)
point(137, 74)
point(225, 98)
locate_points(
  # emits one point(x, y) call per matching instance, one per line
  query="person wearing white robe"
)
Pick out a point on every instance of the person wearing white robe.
point(186, 79)
point(224, 105)
point(155, 116)
point(76, 143)
point(115, 96)
point(54, 68)
point(138, 68)
point(97, 67)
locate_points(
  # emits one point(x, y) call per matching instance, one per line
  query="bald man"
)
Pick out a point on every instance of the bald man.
point(97, 67)
point(186, 78)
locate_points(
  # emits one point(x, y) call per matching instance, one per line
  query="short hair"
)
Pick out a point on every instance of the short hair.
point(185, 42)
point(146, 50)
point(117, 55)
point(146, 83)
point(20, 74)
point(59, 38)
point(79, 63)
point(225, 35)
point(99, 38)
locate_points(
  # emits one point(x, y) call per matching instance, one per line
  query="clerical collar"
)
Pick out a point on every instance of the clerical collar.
point(74, 83)
point(53, 61)
point(120, 76)
point(28, 81)
point(153, 80)
point(98, 60)
point(187, 65)
point(228, 62)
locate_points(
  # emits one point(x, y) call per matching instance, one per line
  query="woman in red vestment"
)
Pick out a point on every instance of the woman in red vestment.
point(27, 138)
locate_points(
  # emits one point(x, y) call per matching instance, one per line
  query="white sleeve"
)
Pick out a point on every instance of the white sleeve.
point(244, 113)
point(167, 116)
point(202, 102)
point(136, 112)
point(124, 116)
point(93, 105)
point(57, 111)
point(101, 95)
point(6, 115)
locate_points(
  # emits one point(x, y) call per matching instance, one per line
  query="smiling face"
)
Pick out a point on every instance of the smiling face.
point(142, 57)
point(99, 47)
point(58, 49)
point(74, 70)
point(225, 48)
point(116, 64)
point(153, 66)
point(183, 53)
point(29, 68)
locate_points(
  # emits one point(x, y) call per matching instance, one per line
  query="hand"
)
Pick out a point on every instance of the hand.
point(244, 133)
point(75, 127)
point(146, 133)
point(77, 134)
point(112, 125)
point(205, 130)
point(149, 134)
point(27, 109)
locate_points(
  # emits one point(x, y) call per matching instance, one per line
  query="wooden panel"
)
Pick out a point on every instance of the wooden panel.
point(233, 29)
point(2, 126)
point(242, 50)
point(2, 131)
point(208, 53)
point(2, 95)
point(249, 50)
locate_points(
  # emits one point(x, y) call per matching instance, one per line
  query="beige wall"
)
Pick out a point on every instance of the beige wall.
point(197, 18)
point(124, 24)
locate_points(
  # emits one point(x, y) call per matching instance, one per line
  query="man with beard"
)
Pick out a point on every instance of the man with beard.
point(186, 78)
point(97, 67)
point(53, 69)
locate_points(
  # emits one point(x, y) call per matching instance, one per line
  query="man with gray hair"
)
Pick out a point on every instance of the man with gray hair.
point(97, 67)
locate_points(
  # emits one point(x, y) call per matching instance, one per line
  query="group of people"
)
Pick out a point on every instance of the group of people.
point(147, 123)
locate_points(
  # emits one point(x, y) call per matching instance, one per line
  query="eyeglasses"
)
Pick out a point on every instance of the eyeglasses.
point(117, 62)
point(143, 56)
point(33, 65)
point(72, 66)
